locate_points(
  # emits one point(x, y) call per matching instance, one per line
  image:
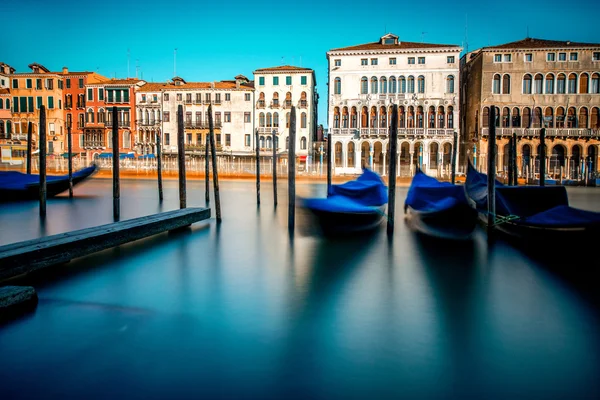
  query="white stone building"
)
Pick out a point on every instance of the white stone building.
point(366, 80)
point(277, 90)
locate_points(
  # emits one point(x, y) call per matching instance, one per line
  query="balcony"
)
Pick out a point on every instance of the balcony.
point(200, 125)
point(268, 130)
point(154, 122)
point(384, 132)
point(260, 104)
point(550, 132)
point(274, 104)
point(142, 101)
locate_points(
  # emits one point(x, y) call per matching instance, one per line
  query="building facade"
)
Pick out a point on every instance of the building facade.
point(364, 83)
point(277, 90)
point(534, 84)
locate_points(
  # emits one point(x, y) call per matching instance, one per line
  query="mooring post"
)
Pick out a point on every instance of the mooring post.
point(115, 161)
point(393, 147)
point(491, 176)
point(207, 172)
point(70, 160)
point(329, 151)
point(292, 173)
point(159, 166)
point(257, 166)
point(514, 160)
point(29, 145)
point(275, 167)
point(42, 148)
point(543, 157)
point(454, 152)
point(181, 157)
point(213, 151)
point(509, 172)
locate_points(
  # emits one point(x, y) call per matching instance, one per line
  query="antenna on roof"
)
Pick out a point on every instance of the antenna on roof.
point(137, 68)
point(175, 62)
point(422, 36)
point(282, 58)
point(128, 55)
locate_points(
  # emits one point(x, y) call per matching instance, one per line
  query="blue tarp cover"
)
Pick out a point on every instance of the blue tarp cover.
point(19, 180)
point(427, 194)
point(147, 156)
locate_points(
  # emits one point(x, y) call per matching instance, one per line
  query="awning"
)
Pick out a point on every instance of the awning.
point(147, 156)
point(302, 158)
point(121, 155)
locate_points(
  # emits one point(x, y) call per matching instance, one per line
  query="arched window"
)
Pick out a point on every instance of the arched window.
point(275, 120)
point(303, 120)
point(419, 117)
point(572, 83)
point(538, 84)
point(527, 84)
point(8, 125)
point(583, 117)
point(526, 117)
point(549, 84)
point(393, 84)
point(402, 85)
point(584, 83)
point(560, 117)
point(101, 116)
point(303, 143)
point(548, 117)
point(560, 84)
point(571, 118)
point(440, 118)
point(411, 84)
point(382, 118)
point(337, 86)
point(269, 120)
point(287, 120)
point(450, 84)
point(411, 117)
point(261, 120)
point(401, 117)
point(89, 117)
point(506, 84)
point(506, 117)
point(336, 117)
point(275, 99)
point(421, 84)
point(450, 117)
point(383, 85)
point(373, 118)
point(594, 120)
point(374, 85)
point(485, 117)
point(81, 120)
point(261, 100)
point(496, 84)
point(516, 118)
point(594, 88)
point(431, 117)
point(364, 85)
point(353, 118)
point(537, 117)
point(344, 117)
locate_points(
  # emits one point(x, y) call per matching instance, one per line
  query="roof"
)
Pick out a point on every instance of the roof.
point(281, 68)
point(533, 44)
point(130, 81)
point(158, 86)
point(398, 46)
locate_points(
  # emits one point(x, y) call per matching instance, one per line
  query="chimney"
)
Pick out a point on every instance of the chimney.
point(65, 70)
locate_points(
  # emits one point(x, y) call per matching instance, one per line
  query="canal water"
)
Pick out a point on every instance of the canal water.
point(242, 311)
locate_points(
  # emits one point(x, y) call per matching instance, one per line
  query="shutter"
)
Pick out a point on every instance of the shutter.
point(30, 104)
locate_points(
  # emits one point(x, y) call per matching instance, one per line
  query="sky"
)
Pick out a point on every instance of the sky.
point(217, 40)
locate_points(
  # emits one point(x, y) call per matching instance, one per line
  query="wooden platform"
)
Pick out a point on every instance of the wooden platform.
point(27, 256)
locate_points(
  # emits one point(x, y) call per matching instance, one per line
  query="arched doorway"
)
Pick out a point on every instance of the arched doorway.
point(557, 161)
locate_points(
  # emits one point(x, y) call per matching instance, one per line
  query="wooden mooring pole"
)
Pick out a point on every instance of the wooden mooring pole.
point(115, 162)
point(491, 170)
point(393, 147)
point(70, 160)
point(207, 172)
point(42, 149)
point(257, 167)
point(329, 151)
point(275, 167)
point(292, 173)
point(509, 173)
point(213, 151)
point(543, 157)
point(181, 157)
point(514, 160)
point(454, 152)
point(159, 166)
point(29, 145)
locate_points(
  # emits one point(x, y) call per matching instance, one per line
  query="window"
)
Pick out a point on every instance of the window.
point(227, 96)
point(101, 94)
point(337, 63)
point(261, 80)
point(28, 84)
point(275, 80)
point(411, 84)
point(16, 104)
point(562, 56)
point(288, 80)
point(411, 60)
point(551, 57)
point(303, 80)
point(421, 84)
point(537, 84)
point(179, 97)
point(497, 57)
point(506, 84)
point(508, 58)
point(450, 60)
point(90, 94)
point(227, 139)
point(166, 97)
point(30, 104)
point(364, 61)
point(596, 56)
point(303, 120)
point(246, 117)
point(573, 57)
point(364, 85)
point(218, 138)
point(594, 87)
point(218, 98)
point(227, 116)
point(527, 84)
point(450, 84)
point(561, 84)
point(38, 84)
point(402, 85)
point(50, 102)
point(337, 86)
point(496, 84)
point(392, 61)
point(15, 84)
point(373, 85)
point(247, 140)
point(247, 96)
point(166, 116)
point(529, 57)
point(572, 83)
point(167, 139)
point(549, 84)
point(80, 83)
point(373, 61)
point(68, 80)
point(421, 60)
point(60, 84)
point(23, 104)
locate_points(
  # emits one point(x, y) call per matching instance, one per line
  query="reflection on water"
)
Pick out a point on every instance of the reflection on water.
point(239, 310)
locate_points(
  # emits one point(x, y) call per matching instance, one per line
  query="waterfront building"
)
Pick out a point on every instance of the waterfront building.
point(364, 83)
point(5, 112)
point(101, 98)
point(28, 92)
point(277, 89)
point(75, 95)
point(533, 83)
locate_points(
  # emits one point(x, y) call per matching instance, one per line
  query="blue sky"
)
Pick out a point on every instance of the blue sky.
point(217, 40)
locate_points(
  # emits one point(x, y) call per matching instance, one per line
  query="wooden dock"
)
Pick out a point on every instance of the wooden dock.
point(30, 255)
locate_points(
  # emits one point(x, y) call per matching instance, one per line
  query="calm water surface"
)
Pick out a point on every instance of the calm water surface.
point(239, 310)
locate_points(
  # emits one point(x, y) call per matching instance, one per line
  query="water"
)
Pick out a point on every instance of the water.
point(239, 310)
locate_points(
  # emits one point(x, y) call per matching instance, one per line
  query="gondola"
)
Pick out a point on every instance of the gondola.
point(353, 207)
point(16, 186)
point(439, 209)
point(539, 215)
